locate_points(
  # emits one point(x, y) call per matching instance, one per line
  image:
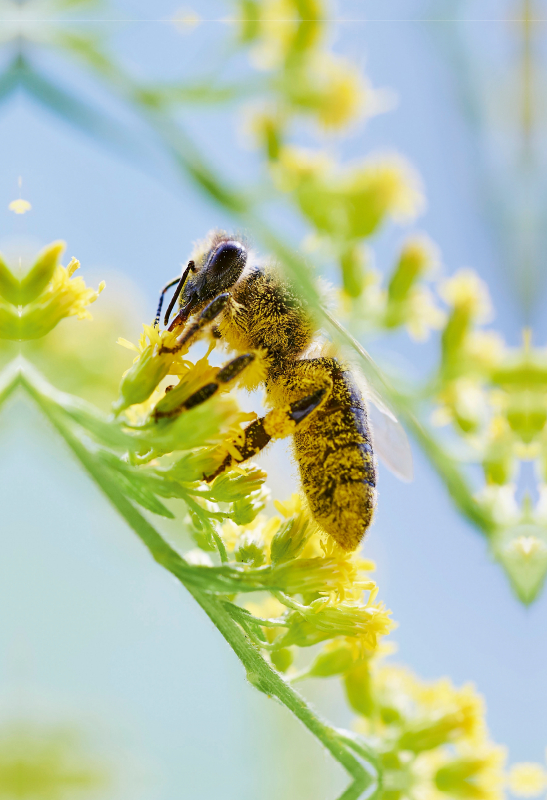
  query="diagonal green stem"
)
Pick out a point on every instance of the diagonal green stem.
point(363, 766)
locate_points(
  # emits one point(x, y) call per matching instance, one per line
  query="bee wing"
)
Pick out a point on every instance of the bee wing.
point(388, 435)
point(390, 440)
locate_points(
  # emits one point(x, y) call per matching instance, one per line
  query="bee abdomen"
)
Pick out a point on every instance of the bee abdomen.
point(338, 471)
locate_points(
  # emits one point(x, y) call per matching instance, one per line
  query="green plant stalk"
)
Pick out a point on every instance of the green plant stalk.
point(259, 672)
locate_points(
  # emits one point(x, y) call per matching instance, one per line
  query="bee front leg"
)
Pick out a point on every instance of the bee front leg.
point(207, 316)
point(277, 424)
point(227, 374)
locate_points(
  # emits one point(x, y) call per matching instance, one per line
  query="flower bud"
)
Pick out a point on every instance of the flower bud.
point(142, 378)
point(290, 539)
point(357, 682)
point(333, 660)
point(428, 734)
point(251, 549)
point(409, 302)
point(352, 263)
point(282, 658)
point(475, 776)
point(9, 285)
point(417, 257)
point(527, 779)
point(41, 273)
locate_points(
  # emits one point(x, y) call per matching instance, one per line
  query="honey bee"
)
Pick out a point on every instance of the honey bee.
point(314, 397)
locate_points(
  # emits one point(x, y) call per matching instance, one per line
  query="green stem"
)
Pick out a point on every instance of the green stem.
point(9, 380)
point(259, 672)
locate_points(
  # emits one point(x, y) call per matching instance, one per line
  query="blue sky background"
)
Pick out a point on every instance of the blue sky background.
point(96, 633)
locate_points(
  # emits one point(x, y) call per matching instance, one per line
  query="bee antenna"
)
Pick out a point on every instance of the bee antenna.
point(180, 281)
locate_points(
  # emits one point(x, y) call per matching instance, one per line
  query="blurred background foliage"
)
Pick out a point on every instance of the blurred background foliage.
point(293, 97)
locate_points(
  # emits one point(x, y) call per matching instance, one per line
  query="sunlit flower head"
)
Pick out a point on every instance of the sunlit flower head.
point(389, 183)
point(281, 30)
point(329, 88)
point(44, 296)
point(527, 779)
point(467, 291)
point(19, 206)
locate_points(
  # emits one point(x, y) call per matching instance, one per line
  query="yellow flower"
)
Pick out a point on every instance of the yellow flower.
point(465, 290)
point(296, 504)
point(47, 295)
point(330, 88)
point(261, 530)
point(430, 714)
point(527, 779)
point(349, 203)
point(485, 349)
point(470, 773)
point(465, 403)
point(383, 185)
point(298, 165)
point(282, 29)
point(419, 256)
point(152, 364)
point(20, 206)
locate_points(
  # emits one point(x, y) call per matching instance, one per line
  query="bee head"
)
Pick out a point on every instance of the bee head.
point(215, 270)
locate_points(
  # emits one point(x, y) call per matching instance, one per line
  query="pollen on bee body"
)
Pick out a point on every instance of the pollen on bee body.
point(278, 424)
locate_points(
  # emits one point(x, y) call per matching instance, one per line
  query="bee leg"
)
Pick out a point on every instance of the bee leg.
point(277, 424)
point(208, 315)
point(226, 374)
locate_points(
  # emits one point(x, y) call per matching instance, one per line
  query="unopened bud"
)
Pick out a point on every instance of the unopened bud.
point(352, 263)
point(282, 659)
point(332, 661)
point(142, 378)
point(290, 539)
point(417, 256)
point(41, 273)
point(359, 689)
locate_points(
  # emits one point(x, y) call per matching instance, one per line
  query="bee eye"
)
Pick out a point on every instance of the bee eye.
point(227, 256)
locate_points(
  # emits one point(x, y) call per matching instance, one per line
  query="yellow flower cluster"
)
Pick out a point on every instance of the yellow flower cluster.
point(495, 398)
point(527, 779)
point(406, 300)
point(32, 305)
point(337, 599)
point(434, 739)
point(343, 204)
point(287, 38)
